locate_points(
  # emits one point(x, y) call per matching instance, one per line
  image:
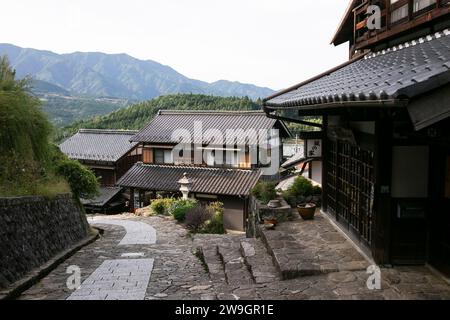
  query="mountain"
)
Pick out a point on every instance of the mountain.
point(139, 114)
point(116, 75)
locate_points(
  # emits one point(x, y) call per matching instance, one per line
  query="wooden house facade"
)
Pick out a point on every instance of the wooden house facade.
point(385, 138)
point(109, 154)
point(218, 171)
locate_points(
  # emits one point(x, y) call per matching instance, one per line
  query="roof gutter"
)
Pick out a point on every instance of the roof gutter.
point(396, 103)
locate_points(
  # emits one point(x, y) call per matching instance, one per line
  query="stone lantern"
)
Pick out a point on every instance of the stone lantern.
point(185, 186)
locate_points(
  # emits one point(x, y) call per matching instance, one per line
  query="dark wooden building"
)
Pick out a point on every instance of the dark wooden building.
point(109, 154)
point(224, 172)
point(386, 131)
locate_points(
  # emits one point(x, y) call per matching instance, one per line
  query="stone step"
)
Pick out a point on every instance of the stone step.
point(259, 262)
point(214, 264)
point(236, 270)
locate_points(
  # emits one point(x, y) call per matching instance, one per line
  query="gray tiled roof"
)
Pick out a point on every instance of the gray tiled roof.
point(98, 145)
point(161, 128)
point(294, 160)
point(403, 71)
point(106, 195)
point(215, 181)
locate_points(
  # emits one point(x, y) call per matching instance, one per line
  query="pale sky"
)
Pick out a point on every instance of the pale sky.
point(273, 43)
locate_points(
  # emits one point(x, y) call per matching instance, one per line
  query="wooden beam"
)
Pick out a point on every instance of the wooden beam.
point(382, 219)
point(325, 164)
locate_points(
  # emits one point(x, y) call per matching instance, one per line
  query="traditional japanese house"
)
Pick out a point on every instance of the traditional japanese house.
point(109, 154)
point(217, 171)
point(385, 138)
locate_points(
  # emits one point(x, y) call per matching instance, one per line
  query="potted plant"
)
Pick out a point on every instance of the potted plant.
point(266, 193)
point(307, 211)
point(300, 196)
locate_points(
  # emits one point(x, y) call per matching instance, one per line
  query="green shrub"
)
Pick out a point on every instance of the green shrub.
point(82, 181)
point(302, 187)
point(317, 190)
point(179, 208)
point(162, 206)
point(197, 217)
point(300, 190)
point(215, 225)
point(265, 191)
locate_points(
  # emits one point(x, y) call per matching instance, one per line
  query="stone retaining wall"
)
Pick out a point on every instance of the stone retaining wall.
point(34, 229)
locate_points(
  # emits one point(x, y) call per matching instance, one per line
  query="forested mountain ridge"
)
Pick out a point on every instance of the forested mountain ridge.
point(121, 76)
point(137, 115)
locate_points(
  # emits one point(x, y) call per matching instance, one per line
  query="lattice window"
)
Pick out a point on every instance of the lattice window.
point(350, 188)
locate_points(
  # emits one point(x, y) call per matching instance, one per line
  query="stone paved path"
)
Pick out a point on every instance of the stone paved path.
point(232, 268)
point(177, 273)
point(121, 279)
point(116, 280)
point(136, 232)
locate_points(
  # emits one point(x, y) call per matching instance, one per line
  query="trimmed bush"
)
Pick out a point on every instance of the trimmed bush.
point(180, 207)
point(82, 181)
point(265, 191)
point(302, 187)
point(299, 192)
point(197, 217)
point(162, 206)
point(215, 225)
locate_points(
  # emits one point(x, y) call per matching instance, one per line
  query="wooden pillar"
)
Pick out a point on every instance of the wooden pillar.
point(131, 200)
point(325, 164)
point(382, 216)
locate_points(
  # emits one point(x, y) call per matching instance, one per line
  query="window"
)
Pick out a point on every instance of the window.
point(168, 157)
point(159, 156)
point(423, 4)
point(400, 13)
point(147, 156)
point(163, 156)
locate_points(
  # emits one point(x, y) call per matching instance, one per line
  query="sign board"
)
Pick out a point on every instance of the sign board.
point(313, 148)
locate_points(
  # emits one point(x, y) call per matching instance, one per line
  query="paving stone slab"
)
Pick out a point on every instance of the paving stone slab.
point(305, 248)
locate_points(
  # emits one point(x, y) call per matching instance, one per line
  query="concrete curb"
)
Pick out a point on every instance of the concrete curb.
point(34, 276)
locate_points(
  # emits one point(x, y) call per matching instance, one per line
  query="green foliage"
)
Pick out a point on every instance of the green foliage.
point(162, 206)
point(215, 225)
point(82, 181)
point(137, 116)
point(24, 128)
point(64, 110)
point(25, 153)
point(180, 207)
point(197, 217)
point(301, 189)
point(265, 191)
point(317, 190)
point(19, 177)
